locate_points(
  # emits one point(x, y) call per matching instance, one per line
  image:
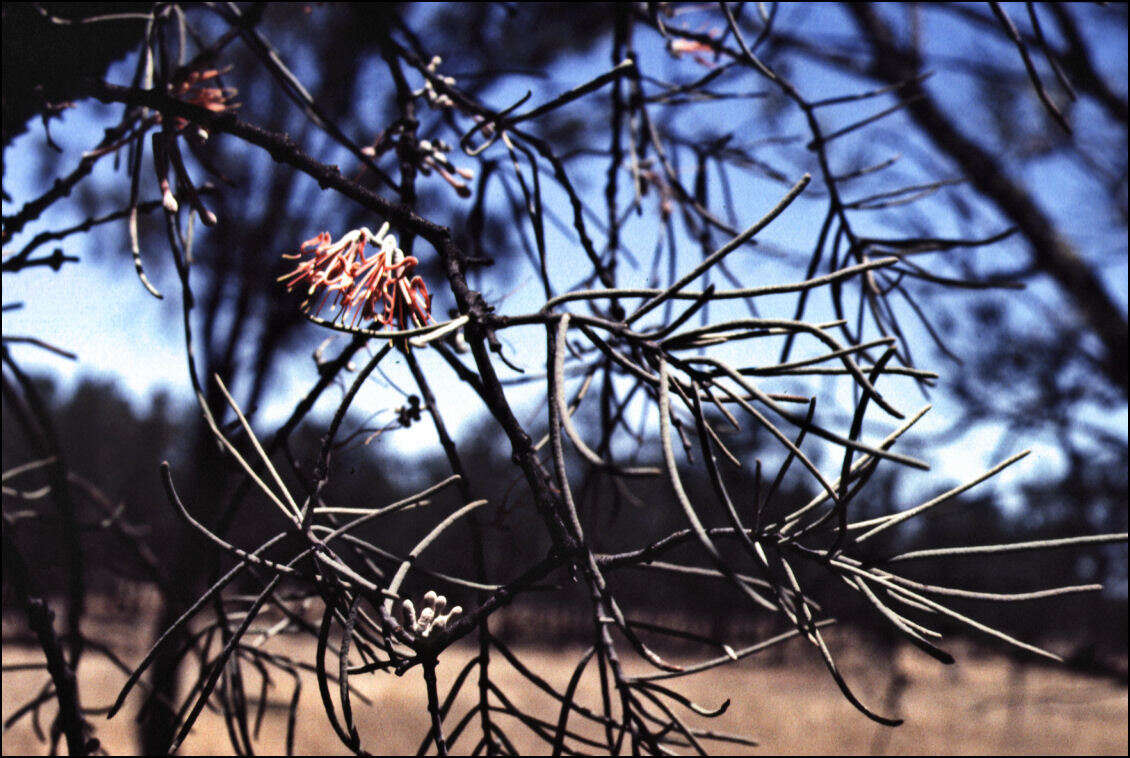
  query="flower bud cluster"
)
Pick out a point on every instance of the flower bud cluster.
point(431, 617)
point(197, 88)
point(435, 99)
point(433, 155)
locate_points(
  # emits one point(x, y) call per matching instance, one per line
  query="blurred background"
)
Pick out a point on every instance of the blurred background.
point(970, 153)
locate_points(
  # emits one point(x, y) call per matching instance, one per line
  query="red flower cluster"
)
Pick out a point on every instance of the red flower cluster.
point(698, 50)
point(195, 88)
point(379, 287)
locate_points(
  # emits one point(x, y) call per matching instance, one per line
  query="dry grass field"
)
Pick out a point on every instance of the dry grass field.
point(984, 704)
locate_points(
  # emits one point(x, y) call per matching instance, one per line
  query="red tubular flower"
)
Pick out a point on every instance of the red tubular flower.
point(378, 288)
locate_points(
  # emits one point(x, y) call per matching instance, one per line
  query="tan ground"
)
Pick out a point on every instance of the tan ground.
point(981, 705)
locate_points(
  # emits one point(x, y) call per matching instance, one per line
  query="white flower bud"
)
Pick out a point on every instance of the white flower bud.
point(409, 613)
point(424, 625)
